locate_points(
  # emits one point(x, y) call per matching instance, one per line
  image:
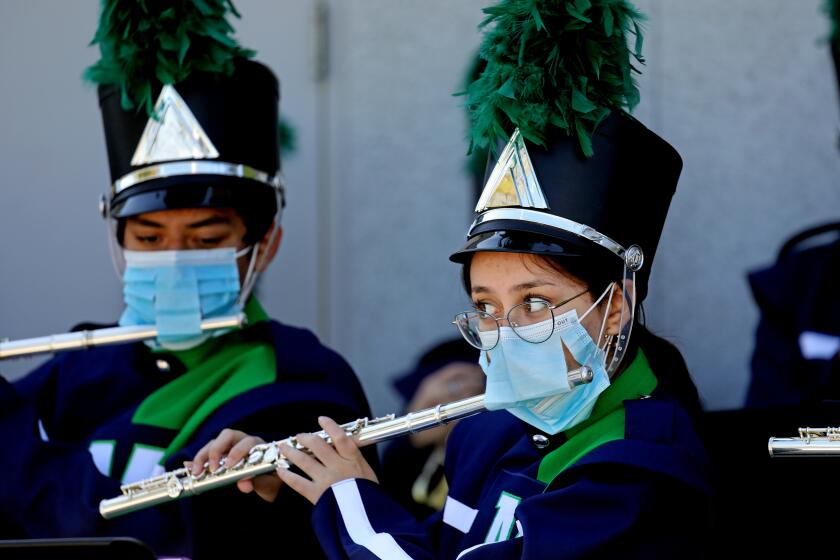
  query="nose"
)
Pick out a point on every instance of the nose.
point(175, 244)
point(510, 323)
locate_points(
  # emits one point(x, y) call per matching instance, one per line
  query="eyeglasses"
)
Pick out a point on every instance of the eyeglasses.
point(532, 321)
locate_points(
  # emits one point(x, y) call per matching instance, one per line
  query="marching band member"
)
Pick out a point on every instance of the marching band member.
point(191, 127)
point(556, 263)
point(796, 359)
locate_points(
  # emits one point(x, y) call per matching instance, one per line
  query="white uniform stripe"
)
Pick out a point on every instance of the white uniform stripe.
point(102, 453)
point(458, 515)
point(42, 431)
point(818, 346)
point(355, 518)
point(466, 551)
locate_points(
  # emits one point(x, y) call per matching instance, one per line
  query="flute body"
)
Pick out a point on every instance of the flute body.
point(101, 337)
point(266, 457)
point(812, 442)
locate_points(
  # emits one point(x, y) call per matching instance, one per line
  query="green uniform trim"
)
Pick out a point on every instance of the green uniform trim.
point(605, 424)
point(217, 371)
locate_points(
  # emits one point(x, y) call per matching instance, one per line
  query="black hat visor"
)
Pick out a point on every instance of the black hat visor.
point(517, 236)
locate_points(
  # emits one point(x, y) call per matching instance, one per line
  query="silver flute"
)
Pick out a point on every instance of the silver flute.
point(266, 457)
point(812, 442)
point(100, 337)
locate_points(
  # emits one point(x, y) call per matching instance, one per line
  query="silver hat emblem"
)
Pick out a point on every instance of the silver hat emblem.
point(513, 181)
point(175, 135)
point(634, 258)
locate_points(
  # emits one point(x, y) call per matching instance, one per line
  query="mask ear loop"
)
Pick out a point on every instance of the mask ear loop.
point(597, 301)
point(251, 275)
point(623, 338)
point(607, 290)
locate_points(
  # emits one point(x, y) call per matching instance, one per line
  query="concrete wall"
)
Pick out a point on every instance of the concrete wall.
point(746, 92)
point(377, 193)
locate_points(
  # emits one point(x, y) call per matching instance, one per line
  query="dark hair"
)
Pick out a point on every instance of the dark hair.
point(665, 359)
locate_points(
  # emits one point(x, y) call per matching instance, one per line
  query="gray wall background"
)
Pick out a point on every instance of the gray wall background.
point(378, 195)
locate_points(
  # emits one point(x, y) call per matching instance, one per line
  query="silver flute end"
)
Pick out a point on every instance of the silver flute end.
point(812, 442)
point(102, 337)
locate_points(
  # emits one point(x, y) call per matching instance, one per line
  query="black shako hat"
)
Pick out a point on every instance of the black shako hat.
point(555, 201)
point(213, 143)
point(577, 177)
point(189, 121)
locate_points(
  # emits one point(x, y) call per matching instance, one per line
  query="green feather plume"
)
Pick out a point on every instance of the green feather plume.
point(147, 41)
point(554, 63)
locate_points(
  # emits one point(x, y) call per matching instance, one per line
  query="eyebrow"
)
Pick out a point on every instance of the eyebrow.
point(146, 222)
point(211, 221)
point(518, 288)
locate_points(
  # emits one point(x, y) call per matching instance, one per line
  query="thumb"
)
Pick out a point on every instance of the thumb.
point(245, 485)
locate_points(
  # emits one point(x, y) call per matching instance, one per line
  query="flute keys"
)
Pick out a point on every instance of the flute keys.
point(271, 454)
point(222, 468)
point(255, 457)
point(173, 487)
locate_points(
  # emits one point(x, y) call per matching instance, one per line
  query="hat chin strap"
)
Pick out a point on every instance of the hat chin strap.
point(621, 339)
point(252, 274)
point(114, 249)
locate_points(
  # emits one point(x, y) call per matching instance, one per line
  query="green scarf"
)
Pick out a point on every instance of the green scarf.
point(217, 371)
point(606, 423)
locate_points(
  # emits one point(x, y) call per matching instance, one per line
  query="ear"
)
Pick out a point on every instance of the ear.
point(267, 248)
point(614, 308)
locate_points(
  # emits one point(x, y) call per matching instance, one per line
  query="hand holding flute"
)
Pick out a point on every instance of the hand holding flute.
point(325, 465)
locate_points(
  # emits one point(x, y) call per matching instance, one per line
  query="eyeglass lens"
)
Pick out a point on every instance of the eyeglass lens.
point(481, 329)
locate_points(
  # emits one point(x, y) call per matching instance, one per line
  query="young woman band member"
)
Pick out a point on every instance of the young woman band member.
point(556, 263)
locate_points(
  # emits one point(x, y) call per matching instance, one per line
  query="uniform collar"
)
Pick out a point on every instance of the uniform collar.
point(634, 382)
point(190, 358)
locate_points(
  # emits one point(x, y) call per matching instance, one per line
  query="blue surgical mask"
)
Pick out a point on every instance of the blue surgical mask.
point(531, 380)
point(176, 290)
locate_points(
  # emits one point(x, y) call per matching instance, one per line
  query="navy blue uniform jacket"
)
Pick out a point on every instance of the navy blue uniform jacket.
point(51, 488)
point(644, 496)
point(797, 343)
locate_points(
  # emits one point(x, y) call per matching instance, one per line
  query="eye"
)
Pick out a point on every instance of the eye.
point(211, 241)
point(536, 305)
point(486, 307)
point(147, 239)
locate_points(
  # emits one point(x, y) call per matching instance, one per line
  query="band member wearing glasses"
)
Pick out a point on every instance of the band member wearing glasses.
point(556, 264)
point(194, 209)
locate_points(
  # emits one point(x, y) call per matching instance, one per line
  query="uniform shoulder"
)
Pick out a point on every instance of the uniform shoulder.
point(660, 443)
point(301, 357)
point(488, 434)
point(298, 347)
